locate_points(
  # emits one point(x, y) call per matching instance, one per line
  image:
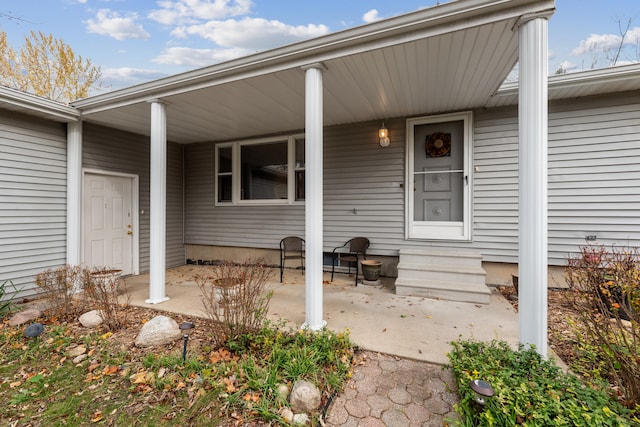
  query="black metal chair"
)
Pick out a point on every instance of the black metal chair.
point(350, 252)
point(291, 247)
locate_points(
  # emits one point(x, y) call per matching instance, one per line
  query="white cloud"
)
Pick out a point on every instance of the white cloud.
point(192, 11)
point(371, 16)
point(252, 34)
point(633, 36)
point(566, 67)
point(596, 42)
point(112, 24)
point(198, 57)
point(115, 78)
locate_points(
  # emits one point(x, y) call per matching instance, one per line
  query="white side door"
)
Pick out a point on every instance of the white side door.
point(108, 221)
point(438, 178)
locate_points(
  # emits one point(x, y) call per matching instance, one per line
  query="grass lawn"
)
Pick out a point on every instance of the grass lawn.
point(118, 384)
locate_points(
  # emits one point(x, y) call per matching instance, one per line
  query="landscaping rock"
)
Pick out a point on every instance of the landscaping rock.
point(80, 359)
point(300, 419)
point(158, 331)
point(283, 391)
point(305, 397)
point(76, 351)
point(286, 414)
point(91, 319)
point(24, 317)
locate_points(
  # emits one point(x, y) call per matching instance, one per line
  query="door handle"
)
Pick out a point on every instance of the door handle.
point(130, 233)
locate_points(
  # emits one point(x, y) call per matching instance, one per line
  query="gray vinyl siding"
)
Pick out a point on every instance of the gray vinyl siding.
point(33, 185)
point(594, 170)
point(241, 226)
point(112, 150)
point(358, 174)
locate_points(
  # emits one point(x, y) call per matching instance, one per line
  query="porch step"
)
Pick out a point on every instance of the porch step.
point(455, 275)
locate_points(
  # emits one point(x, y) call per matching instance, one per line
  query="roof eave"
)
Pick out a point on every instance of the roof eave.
point(36, 105)
point(311, 51)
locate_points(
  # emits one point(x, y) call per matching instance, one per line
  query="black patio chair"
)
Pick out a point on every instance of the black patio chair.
point(291, 247)
point(350, 252)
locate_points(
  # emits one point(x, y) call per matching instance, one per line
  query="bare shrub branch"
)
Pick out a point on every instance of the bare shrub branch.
point(607, 284)
point(234, 298)
point(101, 288)
point(58, 287)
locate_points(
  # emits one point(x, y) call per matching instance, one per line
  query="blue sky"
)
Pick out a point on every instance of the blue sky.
point(138, 40)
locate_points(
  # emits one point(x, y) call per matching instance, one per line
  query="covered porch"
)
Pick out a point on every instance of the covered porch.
point(378, 319)
point(446, 60)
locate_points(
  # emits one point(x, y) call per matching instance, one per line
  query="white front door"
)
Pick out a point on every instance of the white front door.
point(108, 225)
point(438, 177)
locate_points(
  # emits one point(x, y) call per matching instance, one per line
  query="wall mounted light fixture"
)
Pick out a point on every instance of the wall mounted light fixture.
point(383, 135)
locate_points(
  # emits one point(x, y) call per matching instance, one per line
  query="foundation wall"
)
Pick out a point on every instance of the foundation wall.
point(498, 274)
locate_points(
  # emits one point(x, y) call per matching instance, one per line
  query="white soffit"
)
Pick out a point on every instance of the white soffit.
point(446, 58)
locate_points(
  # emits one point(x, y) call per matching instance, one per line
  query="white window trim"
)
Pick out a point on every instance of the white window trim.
point(442, 231)
point(236, 197)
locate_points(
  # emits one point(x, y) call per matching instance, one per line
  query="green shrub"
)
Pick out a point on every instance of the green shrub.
point(271, 357)
point(529, 390)
point(606, 294)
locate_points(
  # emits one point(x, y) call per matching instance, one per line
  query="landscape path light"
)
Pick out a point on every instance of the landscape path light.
point(34, 330)
point(185, 327)
point(482, 392)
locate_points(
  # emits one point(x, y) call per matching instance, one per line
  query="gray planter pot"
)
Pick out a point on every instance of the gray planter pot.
point(371, 269)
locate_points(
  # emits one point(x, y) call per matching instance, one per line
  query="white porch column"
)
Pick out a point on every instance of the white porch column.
point(533, 133)
point(313, 197)
point(74, 193)
point(158, 183)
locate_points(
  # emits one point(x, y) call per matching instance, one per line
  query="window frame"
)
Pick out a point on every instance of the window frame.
point(236, 170)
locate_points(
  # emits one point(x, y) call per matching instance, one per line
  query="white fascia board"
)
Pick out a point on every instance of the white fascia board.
point(445, 18)
point(31, 104)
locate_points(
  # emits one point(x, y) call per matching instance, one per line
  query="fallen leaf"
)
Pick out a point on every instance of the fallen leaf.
point(138, 378)
point(230, 386)
point(106, 336)
point(251, 397)
point(96, 417)
point(15, 384)
point(109, 370)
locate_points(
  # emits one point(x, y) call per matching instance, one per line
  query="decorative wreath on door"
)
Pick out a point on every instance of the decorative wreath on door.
point(438, 145)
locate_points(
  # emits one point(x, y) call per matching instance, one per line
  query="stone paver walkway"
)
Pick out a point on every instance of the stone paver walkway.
point(391, 391)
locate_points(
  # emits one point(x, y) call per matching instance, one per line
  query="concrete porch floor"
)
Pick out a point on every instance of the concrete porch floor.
point(409, 327)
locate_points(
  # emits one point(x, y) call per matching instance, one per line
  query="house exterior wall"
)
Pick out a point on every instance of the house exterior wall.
point(594, 167)
point(33, 185)
point(111, 150)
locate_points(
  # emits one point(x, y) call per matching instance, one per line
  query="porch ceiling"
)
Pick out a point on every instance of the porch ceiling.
point(446, 58)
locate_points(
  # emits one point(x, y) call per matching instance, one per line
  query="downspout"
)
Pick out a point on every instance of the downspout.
point(74, 193)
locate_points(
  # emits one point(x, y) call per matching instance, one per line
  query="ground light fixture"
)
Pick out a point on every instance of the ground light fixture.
point(383, 136)
point(34, 330)
point(482, 392)
point(185, 327)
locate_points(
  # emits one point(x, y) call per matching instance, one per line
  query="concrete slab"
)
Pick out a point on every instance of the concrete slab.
point(405, 326)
